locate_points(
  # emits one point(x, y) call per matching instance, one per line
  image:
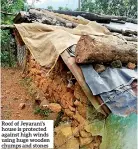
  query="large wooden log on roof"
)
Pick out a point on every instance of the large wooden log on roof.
point(93, 17)
point(43, 16)
point(22, 16)
point(98, 18)
point(86, 15)
point(46, 17)
point(105, 49)
point(118, 30)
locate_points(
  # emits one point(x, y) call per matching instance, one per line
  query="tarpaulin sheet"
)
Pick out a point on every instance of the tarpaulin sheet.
point(47, 42)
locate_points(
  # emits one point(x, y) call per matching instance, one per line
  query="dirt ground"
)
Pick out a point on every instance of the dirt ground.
point(12, 94)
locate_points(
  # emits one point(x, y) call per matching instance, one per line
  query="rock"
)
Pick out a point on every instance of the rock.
point(99, 68)
point(23, 76)
point(79, 93)
point(116, 64)
point(21, 106)
point(70, 84)
point(58, 129)
point(64, 138)
point(72, 109)
point(27, 98)
point(90, 146)
point(62, 135)
point(82, 109)
point(69, 25)
point(79, 118)
point(85, 141)
point(74, 123)
point(52, 116)
point(13, 72)
point(85, 134)
point(131, 65)
point(75, 133)
point(15, 98)
point(44, 104)
point(97, 141)
point(69, 113)
point(54, 107)
point(76, 103)
point(73, 143)
point(96, 145)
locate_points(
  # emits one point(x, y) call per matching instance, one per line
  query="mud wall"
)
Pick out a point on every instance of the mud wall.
point(60, 86)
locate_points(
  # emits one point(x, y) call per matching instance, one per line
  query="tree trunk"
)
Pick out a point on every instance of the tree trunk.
point(86, 15)
point(105, 49)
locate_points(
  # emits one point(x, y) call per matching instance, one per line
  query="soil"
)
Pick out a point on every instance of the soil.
point(13, 93)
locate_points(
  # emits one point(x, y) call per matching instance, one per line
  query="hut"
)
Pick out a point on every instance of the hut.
point(63, 87)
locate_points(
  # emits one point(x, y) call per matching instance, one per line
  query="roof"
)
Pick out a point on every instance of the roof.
point(113, 23)
point(71, 19)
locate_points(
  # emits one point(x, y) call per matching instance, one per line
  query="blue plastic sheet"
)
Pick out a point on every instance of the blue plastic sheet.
point(114, 87)
point(107, 80)
point(121, 101)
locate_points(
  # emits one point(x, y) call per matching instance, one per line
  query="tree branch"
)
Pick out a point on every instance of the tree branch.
point(7, 13)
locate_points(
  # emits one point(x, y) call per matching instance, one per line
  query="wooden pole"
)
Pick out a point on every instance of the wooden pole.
point(79, 5)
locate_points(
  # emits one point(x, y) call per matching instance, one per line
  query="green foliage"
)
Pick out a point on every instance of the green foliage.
point(42, 112)
point(111, 7)
point(7, 49)
point(64, 8)
point(60, 8)
point(10, 6)
point(8, 45)
point(50, 8)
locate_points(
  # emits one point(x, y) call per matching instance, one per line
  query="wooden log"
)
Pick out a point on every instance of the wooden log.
point(105, 49)
point(22, 16)
point(135, 21)
point(86, 15)
point(124, 32)
point(47, 17)
point(93, 17)
point(118, 21)
point(119, 18)
point(134, 39)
